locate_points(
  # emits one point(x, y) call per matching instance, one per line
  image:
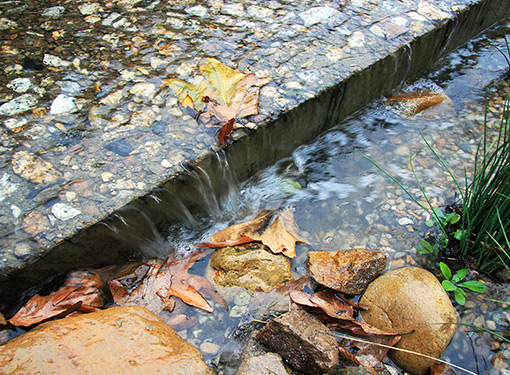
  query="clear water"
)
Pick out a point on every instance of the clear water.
point(341, 200)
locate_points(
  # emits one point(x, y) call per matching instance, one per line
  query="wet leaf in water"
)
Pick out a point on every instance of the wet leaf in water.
point(225, 131)
point(223, 95)
point(275, 229)
point(80, 292)
point(166, 279)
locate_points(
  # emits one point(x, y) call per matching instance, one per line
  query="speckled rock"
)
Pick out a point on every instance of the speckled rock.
point(250, 267)
point(300, 338)
point(120, 340)
point(348, 271)
point(411, 300)
point(268, 363)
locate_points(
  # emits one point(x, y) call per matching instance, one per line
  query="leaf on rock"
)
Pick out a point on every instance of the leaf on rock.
point(223, 78)
point(222, 96)
point(166, 279)
point(442, 369)
point(80, 292)
point(246, 97)
point(326, 300)
point(275, 229)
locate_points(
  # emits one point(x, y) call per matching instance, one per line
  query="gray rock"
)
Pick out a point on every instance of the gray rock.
point(64, 212)
point(6, 24)
point(63, 104)
point(54, 12)
point(120, 147)
point(305, 343)
point(263, 364)
point(20, 85)
point(197, 10)
point(55, 61)
point(18, 105)
point(316, 15)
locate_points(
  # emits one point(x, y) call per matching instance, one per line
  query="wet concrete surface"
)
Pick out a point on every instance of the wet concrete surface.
point(90, 131)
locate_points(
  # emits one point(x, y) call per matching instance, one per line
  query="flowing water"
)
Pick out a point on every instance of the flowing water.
point(341, 200)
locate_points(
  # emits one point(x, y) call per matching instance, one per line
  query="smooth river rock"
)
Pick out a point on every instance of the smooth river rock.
point(347, 271)
point(412, 299)
point(250, 267)
point(119, 340)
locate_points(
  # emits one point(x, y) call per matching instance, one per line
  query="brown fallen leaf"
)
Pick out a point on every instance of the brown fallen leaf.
point(338, 315)
point(225, 131)
point(165, 279)
point(3, 322)
point(275, 229)
point(442, 369)
point(326, 300)
point(80, 292)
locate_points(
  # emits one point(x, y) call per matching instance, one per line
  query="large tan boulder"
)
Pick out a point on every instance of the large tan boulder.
point(411, 300)
point(119, 340)
point(348, 271)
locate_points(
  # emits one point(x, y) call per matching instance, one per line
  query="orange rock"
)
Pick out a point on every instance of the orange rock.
point(119, 340)
point(348, 271)
point(412, 103)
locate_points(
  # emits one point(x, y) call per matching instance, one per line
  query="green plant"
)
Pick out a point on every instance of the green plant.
point(486, 202)
point(482, 233)
point(507, 45)
point(454, 283)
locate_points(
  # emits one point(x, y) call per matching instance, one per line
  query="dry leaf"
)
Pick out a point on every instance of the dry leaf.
point(339, 315)
point(326, 300)
point(275, 229)
point(2, 320)
point(166, 279)
point(81, 291)
point(442, 369)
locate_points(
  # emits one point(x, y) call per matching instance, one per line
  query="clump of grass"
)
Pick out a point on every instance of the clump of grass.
point(486, 203)
point(477, 228)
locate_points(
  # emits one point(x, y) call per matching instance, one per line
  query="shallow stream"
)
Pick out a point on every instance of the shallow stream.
point(341, 200)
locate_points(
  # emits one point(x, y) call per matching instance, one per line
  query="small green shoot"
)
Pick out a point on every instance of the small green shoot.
point(454, 283)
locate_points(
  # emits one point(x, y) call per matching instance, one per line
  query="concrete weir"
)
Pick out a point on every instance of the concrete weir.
point(93, 138)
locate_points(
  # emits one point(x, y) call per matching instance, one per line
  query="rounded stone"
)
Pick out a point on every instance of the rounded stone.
point(412, 300)
point(119, 340)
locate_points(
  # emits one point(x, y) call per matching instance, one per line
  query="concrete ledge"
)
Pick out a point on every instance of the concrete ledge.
point(363, 62)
